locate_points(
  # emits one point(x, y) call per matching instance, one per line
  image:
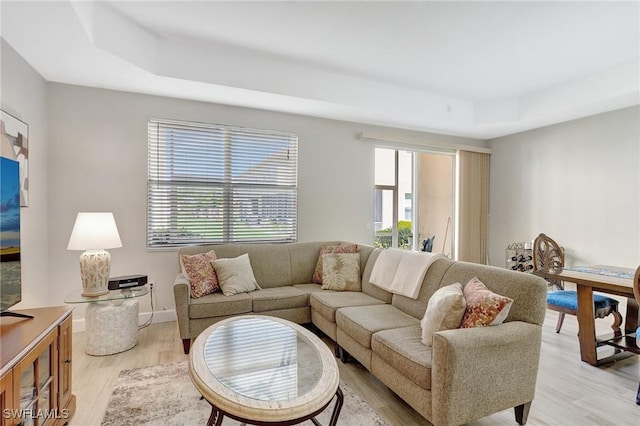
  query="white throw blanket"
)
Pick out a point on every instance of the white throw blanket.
point(402, 271)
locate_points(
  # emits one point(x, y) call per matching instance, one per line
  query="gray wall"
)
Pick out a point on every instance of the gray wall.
point(98, 162)
point(578, 182)
point(23, 94)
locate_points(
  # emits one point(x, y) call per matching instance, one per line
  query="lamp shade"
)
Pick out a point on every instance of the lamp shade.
point(94, 231)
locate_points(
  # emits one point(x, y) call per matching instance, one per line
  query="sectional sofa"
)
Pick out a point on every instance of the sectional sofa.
point(465, 375)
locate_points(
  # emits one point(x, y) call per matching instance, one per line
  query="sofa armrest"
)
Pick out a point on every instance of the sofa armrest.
point(182, 296)
point(480, 371)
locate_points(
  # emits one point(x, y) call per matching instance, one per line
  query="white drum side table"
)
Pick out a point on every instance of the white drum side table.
point(111, 328)
point(111, 320)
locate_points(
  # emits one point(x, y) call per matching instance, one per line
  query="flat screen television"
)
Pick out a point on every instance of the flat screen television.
point(10, 267)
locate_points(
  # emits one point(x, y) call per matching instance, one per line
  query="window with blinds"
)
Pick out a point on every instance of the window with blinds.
point(212, 184)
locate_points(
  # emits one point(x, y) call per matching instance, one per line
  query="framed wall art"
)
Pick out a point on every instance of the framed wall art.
point(14, 144)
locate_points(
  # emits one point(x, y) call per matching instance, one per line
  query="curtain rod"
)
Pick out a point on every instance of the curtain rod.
point(426, 144)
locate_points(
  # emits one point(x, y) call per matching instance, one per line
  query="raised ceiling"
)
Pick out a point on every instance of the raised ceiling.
point(476, 69)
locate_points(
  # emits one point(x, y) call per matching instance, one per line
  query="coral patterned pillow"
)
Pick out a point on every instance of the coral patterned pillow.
point(199, 270)
point(327, 249)
point(484, 307)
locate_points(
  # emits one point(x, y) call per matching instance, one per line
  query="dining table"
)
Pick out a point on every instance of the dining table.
point(604, 279)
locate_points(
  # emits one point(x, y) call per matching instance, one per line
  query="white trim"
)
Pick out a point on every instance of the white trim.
point(420, 144)
point(456, 210)
point(415, 203)
point(168, 315)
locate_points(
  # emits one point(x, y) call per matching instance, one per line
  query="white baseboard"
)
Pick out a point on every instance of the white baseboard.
point(158, 316)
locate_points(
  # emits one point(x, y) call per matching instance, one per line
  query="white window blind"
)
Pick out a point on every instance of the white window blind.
point(212, 184)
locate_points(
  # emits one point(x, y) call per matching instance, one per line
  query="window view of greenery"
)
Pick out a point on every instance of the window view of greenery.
point(393, 212)
point(213, 184)
point(405, 234)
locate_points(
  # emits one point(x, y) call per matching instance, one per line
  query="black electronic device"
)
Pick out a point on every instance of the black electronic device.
point(128, 281)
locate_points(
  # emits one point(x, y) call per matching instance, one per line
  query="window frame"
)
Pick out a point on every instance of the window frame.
point(230, 194)
point(416, 151)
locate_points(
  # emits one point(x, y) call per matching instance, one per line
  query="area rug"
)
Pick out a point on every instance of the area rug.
point(164, 395)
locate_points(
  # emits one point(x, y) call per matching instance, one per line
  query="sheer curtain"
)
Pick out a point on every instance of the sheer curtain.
point(474, 206)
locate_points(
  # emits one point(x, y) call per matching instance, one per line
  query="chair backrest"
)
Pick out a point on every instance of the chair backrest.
point(547, 254)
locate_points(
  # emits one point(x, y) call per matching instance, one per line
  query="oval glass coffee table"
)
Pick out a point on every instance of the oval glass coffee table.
point(265, 371)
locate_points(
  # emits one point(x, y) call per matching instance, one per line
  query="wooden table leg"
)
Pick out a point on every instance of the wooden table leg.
point(586, 325)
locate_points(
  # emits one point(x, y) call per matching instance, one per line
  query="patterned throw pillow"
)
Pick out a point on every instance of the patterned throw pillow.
point(341, 271)
point(484, 307)
point(327, 249)
point(199, 271)
point(444, 312)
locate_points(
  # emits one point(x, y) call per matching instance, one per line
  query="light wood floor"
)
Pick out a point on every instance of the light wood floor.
point(569, 392)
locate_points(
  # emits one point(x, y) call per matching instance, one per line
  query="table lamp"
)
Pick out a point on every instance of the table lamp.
point(94, 232)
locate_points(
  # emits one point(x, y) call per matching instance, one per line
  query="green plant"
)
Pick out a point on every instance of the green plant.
point(383, 236)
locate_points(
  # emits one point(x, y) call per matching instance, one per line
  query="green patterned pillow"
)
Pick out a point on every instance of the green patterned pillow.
point(341, 271)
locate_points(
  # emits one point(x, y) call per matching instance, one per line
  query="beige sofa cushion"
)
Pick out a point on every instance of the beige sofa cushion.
point(327, 302)
point(219, 305)
point(366, 268)
point(271, 299)
point(304, 257)
point(430, 284)
point(270, 263)
point(308, 289)
point(403, 348)
point(361, 322)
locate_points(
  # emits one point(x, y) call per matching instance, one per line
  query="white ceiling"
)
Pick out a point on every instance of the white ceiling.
point(477, 69)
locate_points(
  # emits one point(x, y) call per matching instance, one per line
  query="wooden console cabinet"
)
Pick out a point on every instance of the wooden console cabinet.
point(35, 374)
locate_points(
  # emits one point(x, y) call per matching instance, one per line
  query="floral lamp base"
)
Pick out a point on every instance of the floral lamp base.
point(95, 266)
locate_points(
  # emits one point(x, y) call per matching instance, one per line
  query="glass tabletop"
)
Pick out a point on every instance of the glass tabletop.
point(263, 359)
point(114, 295)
